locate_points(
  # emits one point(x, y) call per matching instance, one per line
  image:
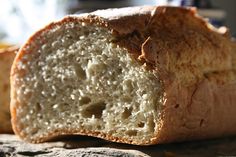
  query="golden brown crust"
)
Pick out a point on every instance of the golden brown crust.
point(191, 57)
point(6, 59)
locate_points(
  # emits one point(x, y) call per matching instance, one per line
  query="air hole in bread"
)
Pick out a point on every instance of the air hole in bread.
point(80, 72)
point(65, 104)
point(119, 71)
point(141, 124)
point(94, 109)
point(132, 132)
point(84, 100)
point(38, 107)
point(99, 127)
point(127, 112)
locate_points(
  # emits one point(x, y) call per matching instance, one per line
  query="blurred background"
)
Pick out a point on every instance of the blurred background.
point(20, 18)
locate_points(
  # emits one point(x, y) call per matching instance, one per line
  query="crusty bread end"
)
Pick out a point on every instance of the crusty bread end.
point(6, 59)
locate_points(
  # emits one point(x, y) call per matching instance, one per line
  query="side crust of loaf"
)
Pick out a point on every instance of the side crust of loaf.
point(193, 60)
point(6, 59)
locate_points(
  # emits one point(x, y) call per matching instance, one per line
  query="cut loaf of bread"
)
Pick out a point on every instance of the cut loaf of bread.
point(7, 55)
point(142, 75)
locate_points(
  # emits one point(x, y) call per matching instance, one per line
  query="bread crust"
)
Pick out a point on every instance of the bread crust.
point(6, 59)
point(193, 60)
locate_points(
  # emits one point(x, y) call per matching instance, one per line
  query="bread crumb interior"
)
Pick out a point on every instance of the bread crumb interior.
point(80, 80)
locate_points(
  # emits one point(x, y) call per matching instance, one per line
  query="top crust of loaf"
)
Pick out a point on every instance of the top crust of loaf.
point(182, 47)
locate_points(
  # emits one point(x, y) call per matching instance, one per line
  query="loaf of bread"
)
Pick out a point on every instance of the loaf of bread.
point(141, 75)
point(7, 55)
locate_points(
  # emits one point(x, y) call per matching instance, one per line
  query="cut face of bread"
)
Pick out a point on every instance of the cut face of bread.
point(78, 81)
